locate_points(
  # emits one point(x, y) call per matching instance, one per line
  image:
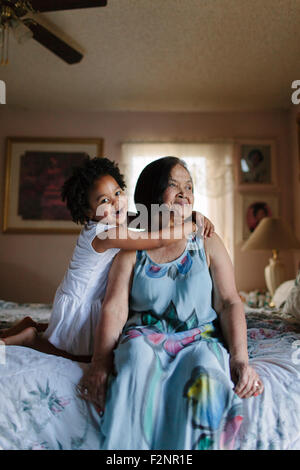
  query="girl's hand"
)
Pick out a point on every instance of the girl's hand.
point(204, 225)
point(247, 381)
point(209, 227)
point(93, 385)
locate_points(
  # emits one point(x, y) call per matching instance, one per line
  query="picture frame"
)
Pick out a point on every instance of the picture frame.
point(255, 164)
point(36, 169)
point(252, 207)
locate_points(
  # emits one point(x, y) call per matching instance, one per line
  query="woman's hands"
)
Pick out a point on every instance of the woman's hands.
point(247, 382)
point(93, 385)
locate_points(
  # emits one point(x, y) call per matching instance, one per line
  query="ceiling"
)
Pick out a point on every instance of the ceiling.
point(164, 55)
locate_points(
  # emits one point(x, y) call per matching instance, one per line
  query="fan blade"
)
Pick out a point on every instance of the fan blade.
point(53, 43)
point(55, 5)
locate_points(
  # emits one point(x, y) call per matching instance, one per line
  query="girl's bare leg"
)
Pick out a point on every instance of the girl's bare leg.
point(24, 338)
point(21, 326)
point(31, 339)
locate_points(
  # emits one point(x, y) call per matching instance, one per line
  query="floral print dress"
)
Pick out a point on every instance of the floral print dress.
point(171, 388)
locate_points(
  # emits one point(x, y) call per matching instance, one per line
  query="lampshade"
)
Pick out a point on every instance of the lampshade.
point(272, 233)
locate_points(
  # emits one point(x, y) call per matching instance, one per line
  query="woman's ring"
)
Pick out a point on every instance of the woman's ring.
point(85, 391)
point(256, 384)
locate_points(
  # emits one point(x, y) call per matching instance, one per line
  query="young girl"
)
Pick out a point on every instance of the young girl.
point(96, 187)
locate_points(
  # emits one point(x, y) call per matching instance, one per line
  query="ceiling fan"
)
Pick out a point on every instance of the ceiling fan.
point(15, 15)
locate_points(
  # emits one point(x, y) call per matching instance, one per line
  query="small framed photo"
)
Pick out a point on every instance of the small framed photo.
point(252, 208)
point(36, 169)
point(256, 165)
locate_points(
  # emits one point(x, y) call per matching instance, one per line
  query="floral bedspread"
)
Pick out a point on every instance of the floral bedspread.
point(272, 420)
point(40, 409)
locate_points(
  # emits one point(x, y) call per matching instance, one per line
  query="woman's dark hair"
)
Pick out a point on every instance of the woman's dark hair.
point(76, 189)
point(153, 181)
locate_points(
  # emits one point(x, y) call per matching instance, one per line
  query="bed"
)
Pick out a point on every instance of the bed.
point(40, 409)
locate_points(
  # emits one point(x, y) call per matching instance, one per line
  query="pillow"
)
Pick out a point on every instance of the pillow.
point(292, 304)
point(282, 292)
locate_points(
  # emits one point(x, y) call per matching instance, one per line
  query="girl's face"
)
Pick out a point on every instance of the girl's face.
point(178, 195)
point(108, 202)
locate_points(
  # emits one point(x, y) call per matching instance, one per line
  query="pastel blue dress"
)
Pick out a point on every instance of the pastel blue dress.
point(171, 388)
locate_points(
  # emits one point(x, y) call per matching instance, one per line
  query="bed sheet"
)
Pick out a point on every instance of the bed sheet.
point(272, 420)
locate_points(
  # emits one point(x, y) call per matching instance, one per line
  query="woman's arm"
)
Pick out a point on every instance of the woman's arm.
point(114, 311)
point(228, 304)
point(113, 317)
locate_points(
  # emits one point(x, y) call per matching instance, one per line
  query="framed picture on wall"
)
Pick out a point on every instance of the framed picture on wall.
point(256, 165)
point(36, 169)
point(252, 208)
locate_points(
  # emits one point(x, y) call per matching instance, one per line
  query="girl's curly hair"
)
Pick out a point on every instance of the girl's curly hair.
point(76, 188)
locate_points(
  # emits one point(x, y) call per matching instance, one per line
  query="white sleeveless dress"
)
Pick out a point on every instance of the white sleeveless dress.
point(78, 299)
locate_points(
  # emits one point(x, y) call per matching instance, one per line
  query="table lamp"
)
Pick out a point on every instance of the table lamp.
point(272, 233)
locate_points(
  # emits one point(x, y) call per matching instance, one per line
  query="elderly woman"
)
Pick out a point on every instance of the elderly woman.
point(168, 371)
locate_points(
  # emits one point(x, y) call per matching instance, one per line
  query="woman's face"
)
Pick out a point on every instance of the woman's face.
point(179, 196)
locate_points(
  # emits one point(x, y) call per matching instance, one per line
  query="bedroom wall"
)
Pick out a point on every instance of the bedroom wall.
point(295, 154)
point(33, 265)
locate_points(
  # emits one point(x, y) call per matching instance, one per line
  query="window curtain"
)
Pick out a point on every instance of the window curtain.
point(211, 167)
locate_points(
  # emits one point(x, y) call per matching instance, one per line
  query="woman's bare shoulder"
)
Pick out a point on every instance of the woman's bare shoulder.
point(126, 256)
point(213, 242)
point(214, 247)
point(125, 259)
